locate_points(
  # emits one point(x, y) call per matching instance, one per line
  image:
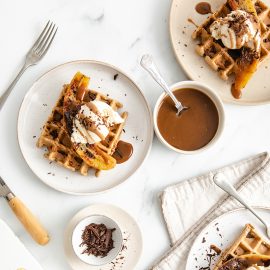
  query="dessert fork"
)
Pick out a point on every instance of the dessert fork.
point(34, 55)
point(227, 187)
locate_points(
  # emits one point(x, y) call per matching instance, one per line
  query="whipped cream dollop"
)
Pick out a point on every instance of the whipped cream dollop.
point(236, 30)
point(92, 122)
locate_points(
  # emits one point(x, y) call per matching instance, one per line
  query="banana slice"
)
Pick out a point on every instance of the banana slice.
point(245, 70)
point(73, 101)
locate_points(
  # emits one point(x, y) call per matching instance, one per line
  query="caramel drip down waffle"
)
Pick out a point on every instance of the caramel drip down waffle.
point(249, 242)
point(55, 137)
point(216, 55)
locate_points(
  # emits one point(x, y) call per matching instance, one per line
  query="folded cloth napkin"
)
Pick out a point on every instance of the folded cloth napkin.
point(190, 205)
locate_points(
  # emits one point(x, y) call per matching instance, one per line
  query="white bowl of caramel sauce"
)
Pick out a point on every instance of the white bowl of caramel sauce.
point(197, 128)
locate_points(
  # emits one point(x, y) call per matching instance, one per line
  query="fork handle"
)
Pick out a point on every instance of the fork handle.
point(29, 221)
point(4, 97)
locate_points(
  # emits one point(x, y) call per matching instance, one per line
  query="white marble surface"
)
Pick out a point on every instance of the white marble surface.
point(117, 32)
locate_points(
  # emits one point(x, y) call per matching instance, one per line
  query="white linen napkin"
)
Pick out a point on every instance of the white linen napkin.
point(190, 205)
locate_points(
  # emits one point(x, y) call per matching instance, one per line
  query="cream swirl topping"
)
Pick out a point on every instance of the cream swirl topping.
point(238, 29)
point(92, 122)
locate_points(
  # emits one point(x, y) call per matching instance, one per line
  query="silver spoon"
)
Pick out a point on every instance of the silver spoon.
point(148, 64)
point(227, 187)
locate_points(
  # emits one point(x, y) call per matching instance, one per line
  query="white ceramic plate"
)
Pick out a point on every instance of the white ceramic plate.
point(257, 90)
point(40, 100)
point(222, 232)
point(132, 238)
point(117, 238)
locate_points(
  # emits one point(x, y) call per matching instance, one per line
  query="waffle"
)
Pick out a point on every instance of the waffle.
point(250, 242)
point(56, 139)
point(216, 55)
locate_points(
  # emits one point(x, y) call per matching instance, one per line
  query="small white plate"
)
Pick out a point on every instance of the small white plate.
point(258, 89)
point(132, 239)
point(222, 232)
point(40, 100)
point(77, 240)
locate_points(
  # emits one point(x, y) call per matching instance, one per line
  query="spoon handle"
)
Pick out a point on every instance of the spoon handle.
point(148, 64)
point(227, 187)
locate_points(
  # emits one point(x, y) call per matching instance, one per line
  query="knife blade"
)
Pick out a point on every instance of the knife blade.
point(4, 189)
point(29, 221)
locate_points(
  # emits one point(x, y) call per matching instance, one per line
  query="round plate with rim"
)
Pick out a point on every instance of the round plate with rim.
point(256, 92)
point(40, 100)
point(222, 232)
point(132, 245)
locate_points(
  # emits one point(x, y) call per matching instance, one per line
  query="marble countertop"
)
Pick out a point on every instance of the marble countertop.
point(118, 32)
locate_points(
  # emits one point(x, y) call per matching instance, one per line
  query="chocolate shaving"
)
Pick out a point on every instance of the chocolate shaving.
point(234, 264)
point(69, 116)
point(247, 57)
point(98, 240)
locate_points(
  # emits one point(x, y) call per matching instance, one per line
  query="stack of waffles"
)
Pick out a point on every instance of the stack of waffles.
point(249, 246)
point(220, 58)
point(55, 137)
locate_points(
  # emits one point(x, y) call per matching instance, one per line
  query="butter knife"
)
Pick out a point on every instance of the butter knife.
point(29, 221)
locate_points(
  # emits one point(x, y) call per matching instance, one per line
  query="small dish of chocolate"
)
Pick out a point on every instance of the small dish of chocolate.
point(97, 240)
point(198, 127)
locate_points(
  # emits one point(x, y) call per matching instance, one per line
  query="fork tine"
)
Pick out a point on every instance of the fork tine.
point(48, 44)
point(46, 39)
point(40, 36)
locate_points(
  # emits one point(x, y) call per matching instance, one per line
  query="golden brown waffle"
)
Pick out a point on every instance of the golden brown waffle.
point(57, 141)
point(217, 56)
point(249, 242)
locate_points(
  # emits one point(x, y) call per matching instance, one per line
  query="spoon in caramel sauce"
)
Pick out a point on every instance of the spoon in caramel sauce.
point(148, 64)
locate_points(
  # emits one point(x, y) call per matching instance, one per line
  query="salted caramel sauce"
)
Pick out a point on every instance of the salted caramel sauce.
point(236, 92)
point(203, 8)
point(123, 152)
point(195, 127)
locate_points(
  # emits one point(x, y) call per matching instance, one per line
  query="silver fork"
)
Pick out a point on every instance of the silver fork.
point(220, 181)
point(34, 55)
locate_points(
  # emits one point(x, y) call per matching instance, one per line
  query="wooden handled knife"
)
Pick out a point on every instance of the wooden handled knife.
point(29, 221)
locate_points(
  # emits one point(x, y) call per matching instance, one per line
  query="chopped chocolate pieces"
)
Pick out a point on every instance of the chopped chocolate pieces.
point(115, 76)
point(211, 253)
point(247, 57)
point(97, 239)
point(69, 116)
point(234, 264)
